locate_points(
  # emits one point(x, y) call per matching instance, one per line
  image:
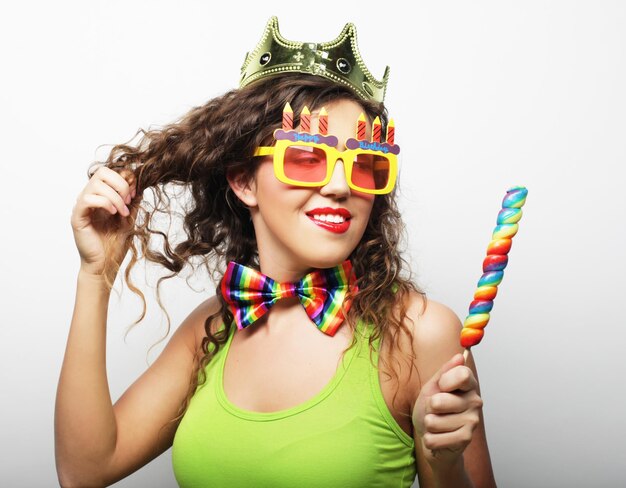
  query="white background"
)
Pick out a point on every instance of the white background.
point(485, 95)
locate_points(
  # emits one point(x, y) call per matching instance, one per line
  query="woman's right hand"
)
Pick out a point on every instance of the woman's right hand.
point(93, 216)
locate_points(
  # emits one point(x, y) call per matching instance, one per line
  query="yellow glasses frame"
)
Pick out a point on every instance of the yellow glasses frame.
point(332, 156)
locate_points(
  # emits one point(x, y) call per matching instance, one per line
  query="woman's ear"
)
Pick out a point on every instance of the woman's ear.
point(244, 188)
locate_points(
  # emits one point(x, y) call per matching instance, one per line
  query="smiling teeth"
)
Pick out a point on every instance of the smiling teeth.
point(335, 219)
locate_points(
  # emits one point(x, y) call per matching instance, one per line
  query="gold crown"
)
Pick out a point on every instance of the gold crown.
point(338, 60)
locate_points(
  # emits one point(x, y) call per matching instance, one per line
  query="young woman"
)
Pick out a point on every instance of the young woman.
point(369, 392)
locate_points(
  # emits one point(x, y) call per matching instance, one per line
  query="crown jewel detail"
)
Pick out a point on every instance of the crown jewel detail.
point(338, 60)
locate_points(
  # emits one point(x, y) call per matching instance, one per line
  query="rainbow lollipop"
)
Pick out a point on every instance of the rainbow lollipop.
point(493, 267)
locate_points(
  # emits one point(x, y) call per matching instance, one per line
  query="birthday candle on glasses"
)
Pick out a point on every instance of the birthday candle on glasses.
point(376, 128)
point(323, 122)
point(391, 132)
point(287, 117)
point(305, 120)
point(360, 127)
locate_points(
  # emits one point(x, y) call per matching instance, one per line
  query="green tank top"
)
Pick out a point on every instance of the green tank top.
point(345, 436)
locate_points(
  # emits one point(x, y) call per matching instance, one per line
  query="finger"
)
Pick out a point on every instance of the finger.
point(98, 187)
point(458, 378)
point(120, 182)
point(444, 402)
point(91, 200)
point(81, 216)
point(457, 440)
point(451, 422)
point(128, 175)
point(117, 181)
point(131, 180)
point(452, 363)
point(431, 387)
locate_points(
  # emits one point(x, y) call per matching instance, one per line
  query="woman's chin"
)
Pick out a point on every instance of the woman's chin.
point(328, 261)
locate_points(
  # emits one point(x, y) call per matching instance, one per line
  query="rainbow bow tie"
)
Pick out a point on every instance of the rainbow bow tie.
point(250, 294)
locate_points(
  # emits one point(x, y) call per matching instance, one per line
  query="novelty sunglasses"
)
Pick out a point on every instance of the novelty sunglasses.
point(308, 160)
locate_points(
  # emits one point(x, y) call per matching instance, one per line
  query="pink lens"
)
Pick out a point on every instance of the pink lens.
point(370, 171)
point(304, 163)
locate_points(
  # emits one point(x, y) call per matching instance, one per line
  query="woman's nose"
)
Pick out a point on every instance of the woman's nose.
point(337, 186)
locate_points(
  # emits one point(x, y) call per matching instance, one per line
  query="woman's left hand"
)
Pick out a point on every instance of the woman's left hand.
point(446, 413)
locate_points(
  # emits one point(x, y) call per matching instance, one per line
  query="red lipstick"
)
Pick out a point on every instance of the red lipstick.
point(324, 212)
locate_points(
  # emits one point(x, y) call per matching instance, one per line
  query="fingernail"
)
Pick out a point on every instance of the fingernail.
point(134, 192)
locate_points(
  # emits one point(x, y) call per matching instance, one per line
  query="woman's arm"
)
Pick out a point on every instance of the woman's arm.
point(436, 331)
point(96, 442)
point(84, 421)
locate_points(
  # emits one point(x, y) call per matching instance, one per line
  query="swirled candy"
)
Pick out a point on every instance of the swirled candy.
point(493, 266)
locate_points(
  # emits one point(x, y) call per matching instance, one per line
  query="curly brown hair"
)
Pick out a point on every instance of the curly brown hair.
point(219, 138)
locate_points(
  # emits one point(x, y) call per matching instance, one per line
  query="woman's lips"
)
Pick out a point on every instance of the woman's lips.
point(326, 217)
point(339, 228)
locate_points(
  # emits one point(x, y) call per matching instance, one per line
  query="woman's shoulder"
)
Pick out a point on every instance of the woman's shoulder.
point(428, 320)
point(435, 330)
point(433, 324)
point(197, 319)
